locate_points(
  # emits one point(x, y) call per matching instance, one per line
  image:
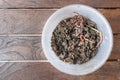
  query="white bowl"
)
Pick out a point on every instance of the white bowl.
point(104, 49)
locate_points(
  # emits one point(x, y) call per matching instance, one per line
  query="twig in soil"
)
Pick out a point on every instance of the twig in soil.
point(100, 33)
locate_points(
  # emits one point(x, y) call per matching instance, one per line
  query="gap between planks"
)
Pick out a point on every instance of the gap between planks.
point(117, 60)
point(24, 35)
point(52, 9)
point(31, 35)
point(26, 61)
point(56, 8)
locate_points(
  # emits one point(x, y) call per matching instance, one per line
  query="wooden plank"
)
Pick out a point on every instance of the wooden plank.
point(57, 3)
point(32, 21)
point(30, 48)
point(44, 71)
point(113, 17)
point(116, 47)
point(20, 48)
point(23, 21)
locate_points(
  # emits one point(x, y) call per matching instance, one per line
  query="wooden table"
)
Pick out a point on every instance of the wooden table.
point(21, 24)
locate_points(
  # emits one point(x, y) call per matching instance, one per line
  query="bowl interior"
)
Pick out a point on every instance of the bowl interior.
point(104, 49)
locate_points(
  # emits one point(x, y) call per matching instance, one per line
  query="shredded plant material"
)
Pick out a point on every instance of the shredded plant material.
point(76, 39)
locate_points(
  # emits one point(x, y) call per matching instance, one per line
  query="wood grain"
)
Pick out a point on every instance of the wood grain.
point(20, 48)
point(116, 47)
point(21, 24)
point(112, 17)
point(44, 71)
point(23, 21)
point(57, 3)
point(31, 21)
point(30, 48)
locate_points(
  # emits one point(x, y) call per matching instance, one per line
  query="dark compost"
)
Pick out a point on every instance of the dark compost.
point(76, 39)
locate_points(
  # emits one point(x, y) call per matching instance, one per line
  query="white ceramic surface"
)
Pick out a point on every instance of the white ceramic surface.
point(103, 52)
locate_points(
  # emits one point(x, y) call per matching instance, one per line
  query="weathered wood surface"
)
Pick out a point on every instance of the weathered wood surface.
point(44, 71)
point(57, 3)
point(32, 21)
point(21, 24)
point(20, 48)
point(23, 21)
point(30, 48)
